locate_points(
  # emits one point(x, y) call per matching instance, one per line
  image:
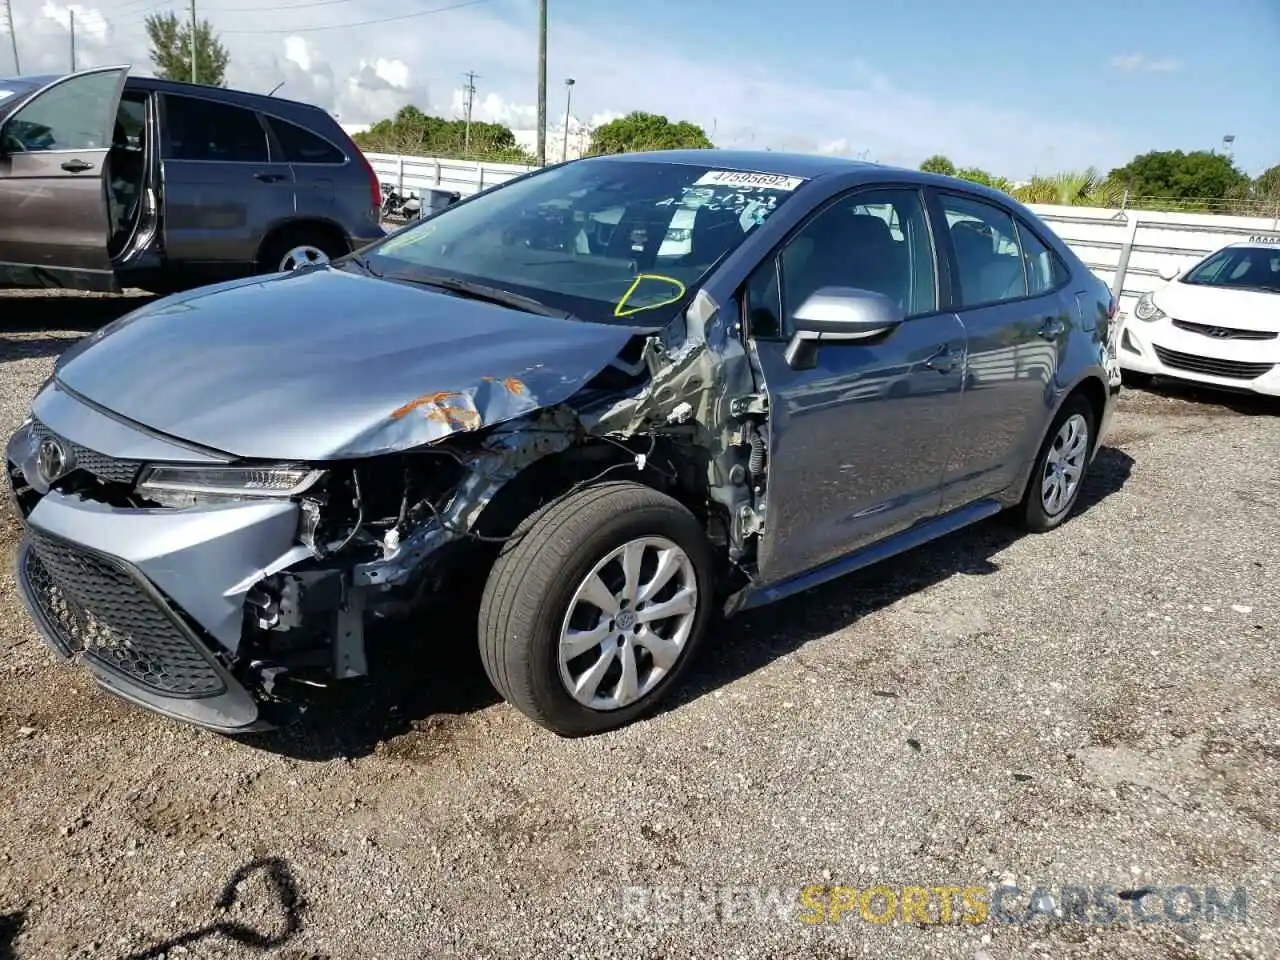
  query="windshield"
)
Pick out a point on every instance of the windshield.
point(623, 241)
point(1242, 268)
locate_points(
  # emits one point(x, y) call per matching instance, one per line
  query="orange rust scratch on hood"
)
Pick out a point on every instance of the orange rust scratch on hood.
point(512, 384)
point(426, 400)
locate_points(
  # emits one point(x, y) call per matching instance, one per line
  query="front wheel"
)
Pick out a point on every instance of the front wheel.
point(1060, 467)
point(596, 606)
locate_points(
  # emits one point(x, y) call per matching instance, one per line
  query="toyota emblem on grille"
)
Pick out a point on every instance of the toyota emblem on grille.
point(53, 460)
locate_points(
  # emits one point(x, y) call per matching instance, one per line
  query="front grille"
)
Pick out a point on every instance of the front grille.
point(90, 461)
point(98, 607)
point(1224, 333)
point(1211, 366)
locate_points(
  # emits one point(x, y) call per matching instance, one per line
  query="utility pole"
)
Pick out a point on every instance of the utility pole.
point(194, 75)
point(568, 101)
point(470, 89)
point(13, 35)
point(72, 11)
point(542, 83)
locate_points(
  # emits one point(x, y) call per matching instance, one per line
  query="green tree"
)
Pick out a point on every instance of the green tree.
point(1174, 175)
point(939, 164)
point(414, 133)
point(647, 131)
point(978, 175)
point(171, 50)
point(1267, 185)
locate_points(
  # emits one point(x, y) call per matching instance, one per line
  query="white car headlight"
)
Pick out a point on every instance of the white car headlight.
point(1146, 309)
point(183, 486)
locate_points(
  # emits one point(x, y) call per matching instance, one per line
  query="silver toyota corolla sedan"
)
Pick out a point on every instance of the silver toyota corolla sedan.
point(612, 396)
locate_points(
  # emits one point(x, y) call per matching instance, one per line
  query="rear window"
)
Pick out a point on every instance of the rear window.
point(302, 146)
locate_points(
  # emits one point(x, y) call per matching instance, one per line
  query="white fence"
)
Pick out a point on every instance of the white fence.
point(1125, 248)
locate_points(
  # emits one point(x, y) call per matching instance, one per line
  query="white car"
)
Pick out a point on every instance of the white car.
point(1217, 324)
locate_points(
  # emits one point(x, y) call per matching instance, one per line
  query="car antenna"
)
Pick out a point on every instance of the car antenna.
point(275, 88)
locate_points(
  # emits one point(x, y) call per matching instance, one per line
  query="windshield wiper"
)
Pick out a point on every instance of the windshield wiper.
point(482, 291)
point(361, 262)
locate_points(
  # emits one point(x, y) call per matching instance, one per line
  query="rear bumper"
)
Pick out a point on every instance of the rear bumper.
point(1163, 350)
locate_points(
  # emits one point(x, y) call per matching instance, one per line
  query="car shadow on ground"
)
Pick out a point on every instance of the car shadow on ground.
point(1207, 399)
point(33, 311)
point(431, 667)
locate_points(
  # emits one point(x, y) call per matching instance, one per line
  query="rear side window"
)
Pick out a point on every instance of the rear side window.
point(988, 256)
point(206, 130)
point(302, 146)
point(1045, 270)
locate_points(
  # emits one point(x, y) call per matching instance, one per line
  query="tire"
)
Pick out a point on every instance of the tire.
point(280, 245)
point(536, 589)
point(1132, 378)
point(1038, 512)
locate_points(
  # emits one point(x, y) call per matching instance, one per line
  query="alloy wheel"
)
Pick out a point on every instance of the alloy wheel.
point(1065, 465)
point(302, 255)
point(628, 623)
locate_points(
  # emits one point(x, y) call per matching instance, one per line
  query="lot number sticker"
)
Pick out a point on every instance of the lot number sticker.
point(744, 178)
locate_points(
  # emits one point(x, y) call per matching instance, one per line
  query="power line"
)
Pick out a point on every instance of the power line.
point(360, 23)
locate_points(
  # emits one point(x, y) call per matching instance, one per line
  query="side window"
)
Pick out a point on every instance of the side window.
point(1045, 270)
point(303, 146)
point(77, 114)
point(987, 253)
point(206, 130)
point(876, 240)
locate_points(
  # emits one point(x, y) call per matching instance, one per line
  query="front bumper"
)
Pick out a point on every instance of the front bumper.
point(151, 601)
point(1161, 349)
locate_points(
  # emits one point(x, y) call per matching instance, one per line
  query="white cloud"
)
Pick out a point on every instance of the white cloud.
point(366, 73)
point(1133, 62)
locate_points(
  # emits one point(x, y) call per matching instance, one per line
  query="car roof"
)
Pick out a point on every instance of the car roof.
point(749, 161)
point(1256, 243)
point(28, 84)
point(809, 166)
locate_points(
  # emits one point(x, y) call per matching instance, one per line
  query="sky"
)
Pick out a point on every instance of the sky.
point(1016, 88)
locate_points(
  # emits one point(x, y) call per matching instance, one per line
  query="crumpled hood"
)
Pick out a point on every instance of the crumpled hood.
point(326, 364)
point(1219, 306)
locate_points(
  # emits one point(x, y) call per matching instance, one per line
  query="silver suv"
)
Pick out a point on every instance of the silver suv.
point(110, 181)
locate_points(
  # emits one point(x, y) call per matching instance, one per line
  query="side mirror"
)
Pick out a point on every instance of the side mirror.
point(839, 315)
point(1168, 271)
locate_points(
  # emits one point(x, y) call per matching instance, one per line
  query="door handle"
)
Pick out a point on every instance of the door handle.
point(1052, 328)
point(944, 361)
point(76, 166)
point(269, 177)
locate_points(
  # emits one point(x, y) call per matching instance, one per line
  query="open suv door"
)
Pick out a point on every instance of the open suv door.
point(54, 222)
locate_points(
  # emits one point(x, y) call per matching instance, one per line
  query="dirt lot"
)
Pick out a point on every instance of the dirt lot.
point(1096, 706)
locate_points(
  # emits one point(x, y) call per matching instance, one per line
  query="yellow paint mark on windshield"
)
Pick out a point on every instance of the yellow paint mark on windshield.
point(622, 310)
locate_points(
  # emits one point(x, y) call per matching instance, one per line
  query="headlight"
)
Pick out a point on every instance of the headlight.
point(1146, 309)
point(183, 486)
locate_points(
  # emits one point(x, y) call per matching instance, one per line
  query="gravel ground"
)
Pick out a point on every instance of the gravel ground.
point(1100, 705)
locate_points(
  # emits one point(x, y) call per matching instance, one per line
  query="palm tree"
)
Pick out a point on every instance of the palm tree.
point(1072, 189)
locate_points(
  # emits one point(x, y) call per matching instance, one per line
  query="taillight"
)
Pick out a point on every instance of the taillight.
point(375, 188)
